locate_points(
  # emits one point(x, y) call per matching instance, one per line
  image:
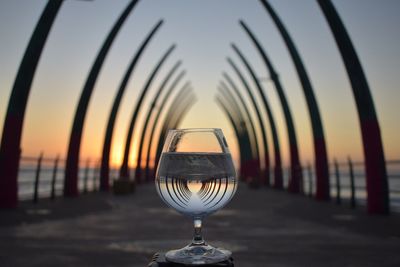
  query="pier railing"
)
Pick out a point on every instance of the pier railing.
point(43, 177)
point(347, 182)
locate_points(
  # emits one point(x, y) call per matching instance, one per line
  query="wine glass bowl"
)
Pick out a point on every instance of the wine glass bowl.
point(196, 177)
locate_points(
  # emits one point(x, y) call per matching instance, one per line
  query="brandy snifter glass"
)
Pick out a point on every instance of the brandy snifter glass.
point(196, 177)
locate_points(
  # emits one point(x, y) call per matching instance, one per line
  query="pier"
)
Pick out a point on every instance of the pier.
point(263, 227)
point(306, 97)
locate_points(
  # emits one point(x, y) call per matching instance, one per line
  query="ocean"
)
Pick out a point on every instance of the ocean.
point(89, 174)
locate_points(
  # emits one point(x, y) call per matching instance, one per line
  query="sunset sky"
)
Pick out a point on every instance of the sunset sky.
point(203, 31)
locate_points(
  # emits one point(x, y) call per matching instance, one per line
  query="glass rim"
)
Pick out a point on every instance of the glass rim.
point(196, 130)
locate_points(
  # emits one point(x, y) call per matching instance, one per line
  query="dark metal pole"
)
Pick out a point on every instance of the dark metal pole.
point(105, 159)
point(321, 158)
point(153, 129)
point(37, 179)
point(86, 177)
point(278, 179)
point(14, 119)
point(352, 184)
point(266, 176)
point(54, 178)
point(310, 180)
point(295, 166)
point(72, 164)
point(375, 167)
point(138, 172)
point(235, 110)
point(95, 176)
point(337, 176)
point(302, 186)
point(253, 167)
point(124, 170)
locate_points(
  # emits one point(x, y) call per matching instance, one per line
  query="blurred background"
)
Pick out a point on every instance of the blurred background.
point(203, 31)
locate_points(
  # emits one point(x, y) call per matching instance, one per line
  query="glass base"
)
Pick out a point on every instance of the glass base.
point(198, 254)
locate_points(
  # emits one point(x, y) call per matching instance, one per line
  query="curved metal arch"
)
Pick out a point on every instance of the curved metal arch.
point(10, 150)
point(247, 162)
point(266, 178)
point(173, 121)
point(247, 116)
point(169, 118)
point(295, 166)
point(153, 129)
point(124, 170)
point(244, 141)
point(176, 116)
point(278, 179)
point(234, 124)
point(321, 158)
point(235, 109)
point(251, 167)
point(237, 131)
point(149, 113)
point(190, 102)
point(71, 166)
point(377, 181)
point(105, 159)
point(178, 100)
point(254, 165)
point(247, 127)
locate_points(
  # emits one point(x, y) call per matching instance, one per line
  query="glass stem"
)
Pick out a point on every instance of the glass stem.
point(197, 238)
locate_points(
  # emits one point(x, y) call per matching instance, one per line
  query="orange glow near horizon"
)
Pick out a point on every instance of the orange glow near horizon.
point(116, 155)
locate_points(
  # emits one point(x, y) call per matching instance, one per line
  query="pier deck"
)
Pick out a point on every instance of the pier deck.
point(262, 227)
